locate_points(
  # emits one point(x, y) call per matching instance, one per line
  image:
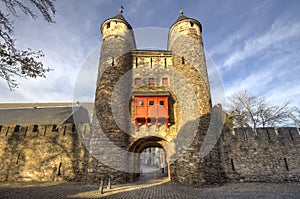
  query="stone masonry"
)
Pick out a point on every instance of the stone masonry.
point(111, 145)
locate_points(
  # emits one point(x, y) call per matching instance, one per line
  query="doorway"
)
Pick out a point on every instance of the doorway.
point(153, 163)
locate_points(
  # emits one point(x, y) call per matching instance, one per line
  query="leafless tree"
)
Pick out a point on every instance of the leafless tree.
point(18, 62)
point(247, 110)
point(295, 116)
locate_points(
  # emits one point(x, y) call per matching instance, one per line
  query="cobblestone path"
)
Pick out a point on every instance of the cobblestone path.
point(154, 189)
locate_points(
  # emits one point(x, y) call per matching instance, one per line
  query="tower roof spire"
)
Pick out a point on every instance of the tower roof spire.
point(183, 17)
point(121, 9)
point(181, 11)
point(119, 16)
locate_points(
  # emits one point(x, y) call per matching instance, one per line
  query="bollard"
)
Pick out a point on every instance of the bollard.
point(101, 186)
point(108, 183)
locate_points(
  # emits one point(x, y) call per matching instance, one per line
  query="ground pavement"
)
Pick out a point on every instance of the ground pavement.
point(148, 189)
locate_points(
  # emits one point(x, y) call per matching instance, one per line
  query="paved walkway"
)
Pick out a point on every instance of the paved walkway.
point(157, 189)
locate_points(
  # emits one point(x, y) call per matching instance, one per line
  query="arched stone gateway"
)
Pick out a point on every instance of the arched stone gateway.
point(151, 98)
point(151, 142)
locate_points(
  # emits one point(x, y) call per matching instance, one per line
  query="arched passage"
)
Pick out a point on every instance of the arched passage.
point(150, 142)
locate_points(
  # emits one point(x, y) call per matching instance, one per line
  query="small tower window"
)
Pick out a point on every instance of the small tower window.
point(165, 81)
point(151, 62)
point(161, 103)
point(151, 103)
point(137, 81)
point(136, 62)
point(108, 25)
point(182, 60)
point(151, 81)
point(165, 63)
point(112, 61)
point(286, 164)
point(232, 165)
point(192, 24)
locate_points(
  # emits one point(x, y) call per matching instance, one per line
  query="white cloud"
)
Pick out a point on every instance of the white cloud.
point(276, 80)
point(285, 93)
point(279, 31)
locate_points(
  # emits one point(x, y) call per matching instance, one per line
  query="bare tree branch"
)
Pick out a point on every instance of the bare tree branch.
point(249, 111)
point(16, 62)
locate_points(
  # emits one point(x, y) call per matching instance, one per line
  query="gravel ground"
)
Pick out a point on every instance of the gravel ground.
point(159, 189)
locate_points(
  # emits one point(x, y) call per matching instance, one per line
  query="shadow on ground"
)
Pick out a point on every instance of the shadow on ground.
point(148, 189)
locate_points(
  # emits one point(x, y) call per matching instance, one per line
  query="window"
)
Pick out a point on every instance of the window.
point(138, 81)
point(286, 164)
point(151, 81)
point(108, 25)
point(141, 103)
point(151, 103)
point(136, 62)
point(192, 24)
point(17, 128)
point(35, 128)
point(161, 103)
point(73, 128)
point(165, 81)
point(232, 165)
point(54, 128)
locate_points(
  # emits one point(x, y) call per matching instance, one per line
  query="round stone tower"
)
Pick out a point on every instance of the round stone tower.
point(185, 40)
point(185, 43)
point(111, 121)
point(117, 40)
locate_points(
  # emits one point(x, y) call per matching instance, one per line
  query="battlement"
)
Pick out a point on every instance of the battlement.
point(43, 152)
point(266, 155)
point(151, 59)
point(282, 135)
point(32, 130)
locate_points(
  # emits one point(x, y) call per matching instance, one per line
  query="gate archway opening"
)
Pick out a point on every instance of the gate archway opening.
point(152, 161)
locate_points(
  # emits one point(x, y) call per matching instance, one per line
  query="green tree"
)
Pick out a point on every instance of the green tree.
point(16, 62)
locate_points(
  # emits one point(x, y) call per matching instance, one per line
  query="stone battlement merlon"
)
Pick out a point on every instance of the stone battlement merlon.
point(153, 53)
point(42, 130)
point(283, 135)
point(152, 59)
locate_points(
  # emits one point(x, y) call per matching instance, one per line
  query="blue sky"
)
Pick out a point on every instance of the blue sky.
point(254, 44)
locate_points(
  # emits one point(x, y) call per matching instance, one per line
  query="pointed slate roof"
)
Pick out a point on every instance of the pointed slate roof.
point(183, 17)
point(119, 17)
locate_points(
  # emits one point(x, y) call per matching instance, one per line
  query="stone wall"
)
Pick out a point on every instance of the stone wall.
point(270, 155)
point(42, 153)
point(111, 122)
point(57, 153)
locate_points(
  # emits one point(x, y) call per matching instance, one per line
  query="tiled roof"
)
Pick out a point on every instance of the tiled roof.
point(119, 17)
point(43, 115)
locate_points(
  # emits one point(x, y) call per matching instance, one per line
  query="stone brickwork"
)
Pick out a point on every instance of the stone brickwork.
point(111, 123)
point(271, 155)
point(42, 153)
point(189, 102)
point(111, 145)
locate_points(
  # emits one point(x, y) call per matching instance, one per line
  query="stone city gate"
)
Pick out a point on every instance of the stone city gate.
point(151, 98)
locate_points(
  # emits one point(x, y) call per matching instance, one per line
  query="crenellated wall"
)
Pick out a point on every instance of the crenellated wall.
point(42, 153)
point(56, 153)
point(270, 155)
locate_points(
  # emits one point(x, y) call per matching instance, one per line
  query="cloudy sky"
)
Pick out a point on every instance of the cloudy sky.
point(255, 45)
